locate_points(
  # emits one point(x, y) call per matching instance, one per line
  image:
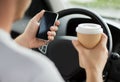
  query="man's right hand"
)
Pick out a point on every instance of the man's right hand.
point(28, 37)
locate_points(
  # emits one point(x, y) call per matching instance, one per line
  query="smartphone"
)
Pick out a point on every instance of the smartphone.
point(46, 22)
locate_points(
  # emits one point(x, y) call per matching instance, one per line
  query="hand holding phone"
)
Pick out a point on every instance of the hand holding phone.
point(46, 22)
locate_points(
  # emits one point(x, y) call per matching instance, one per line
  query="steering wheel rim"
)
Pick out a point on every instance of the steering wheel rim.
point(94, 16)
point(57, 49)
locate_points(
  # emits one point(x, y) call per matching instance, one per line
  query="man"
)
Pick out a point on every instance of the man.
point(20, 64)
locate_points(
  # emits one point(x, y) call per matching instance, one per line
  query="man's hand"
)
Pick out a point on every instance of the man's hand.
point(93, 60)
point(28, 38)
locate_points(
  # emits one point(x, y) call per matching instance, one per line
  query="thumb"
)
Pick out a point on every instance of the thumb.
point(77, 45)
point(38, 16)
point(103, 40)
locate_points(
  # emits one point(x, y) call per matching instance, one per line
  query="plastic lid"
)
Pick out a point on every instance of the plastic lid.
point(89, 28)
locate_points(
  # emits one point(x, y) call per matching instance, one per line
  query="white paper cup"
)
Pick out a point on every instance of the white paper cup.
point(89, 34)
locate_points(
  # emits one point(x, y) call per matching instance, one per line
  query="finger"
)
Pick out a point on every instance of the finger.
point(103, 40)
point(38, 16)
point(54, 28)
point(51, 33)
point(50, 38)
point(57, 23)
point(77, 45)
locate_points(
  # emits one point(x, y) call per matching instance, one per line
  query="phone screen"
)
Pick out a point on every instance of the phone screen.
point(46, 22)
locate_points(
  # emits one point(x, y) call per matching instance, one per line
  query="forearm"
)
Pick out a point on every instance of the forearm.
point(94, 76)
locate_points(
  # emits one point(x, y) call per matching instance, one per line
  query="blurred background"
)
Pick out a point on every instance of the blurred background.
point(107, 8)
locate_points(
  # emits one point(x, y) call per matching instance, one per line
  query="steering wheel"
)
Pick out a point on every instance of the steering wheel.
point(64, 55)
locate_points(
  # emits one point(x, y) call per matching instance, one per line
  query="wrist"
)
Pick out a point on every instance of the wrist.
point(94, 76)
point(96, 70)
point(99, 73)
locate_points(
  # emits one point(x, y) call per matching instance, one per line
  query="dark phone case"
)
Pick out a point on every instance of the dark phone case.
point(46, 22)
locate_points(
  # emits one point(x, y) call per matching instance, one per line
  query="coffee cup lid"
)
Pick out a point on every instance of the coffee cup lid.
point(89, 28)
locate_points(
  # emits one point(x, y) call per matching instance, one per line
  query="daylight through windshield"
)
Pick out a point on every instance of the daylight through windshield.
point(107, 8)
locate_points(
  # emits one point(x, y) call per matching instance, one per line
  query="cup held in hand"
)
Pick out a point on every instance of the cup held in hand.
point(89, 34)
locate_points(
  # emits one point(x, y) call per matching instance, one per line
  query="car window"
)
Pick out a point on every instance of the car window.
point(107, 8)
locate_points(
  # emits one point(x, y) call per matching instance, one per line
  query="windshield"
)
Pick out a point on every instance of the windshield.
point(107, 8)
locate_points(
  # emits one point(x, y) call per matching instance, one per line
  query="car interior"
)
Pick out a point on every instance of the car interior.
point(61, 50)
